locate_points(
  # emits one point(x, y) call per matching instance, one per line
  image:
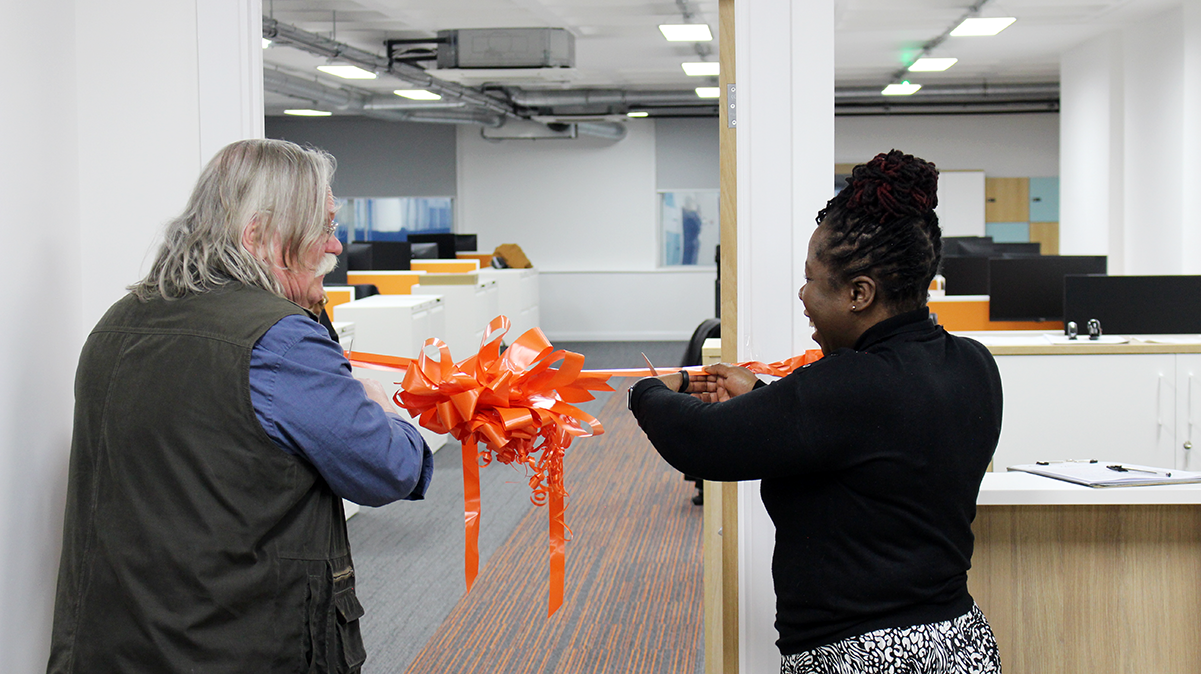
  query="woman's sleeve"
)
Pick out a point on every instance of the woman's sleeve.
point(766, 432)
point(310, 405)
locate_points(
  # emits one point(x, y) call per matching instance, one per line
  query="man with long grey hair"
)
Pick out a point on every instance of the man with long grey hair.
point(217, 429)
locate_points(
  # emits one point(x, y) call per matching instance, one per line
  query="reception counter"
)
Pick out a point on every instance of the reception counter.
point(1077, 579)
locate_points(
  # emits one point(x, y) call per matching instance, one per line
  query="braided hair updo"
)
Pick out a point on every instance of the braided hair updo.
point(883, 225)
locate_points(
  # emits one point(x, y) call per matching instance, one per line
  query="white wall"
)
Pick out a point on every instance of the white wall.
point(1135, 94)
point(786, 148)
point(1017, 145)
point(94, 163)
point(585, 213)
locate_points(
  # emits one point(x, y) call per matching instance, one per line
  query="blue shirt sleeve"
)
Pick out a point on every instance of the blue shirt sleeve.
point(311, 406)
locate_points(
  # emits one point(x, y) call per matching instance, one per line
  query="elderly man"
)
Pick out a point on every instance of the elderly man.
point(217, 429)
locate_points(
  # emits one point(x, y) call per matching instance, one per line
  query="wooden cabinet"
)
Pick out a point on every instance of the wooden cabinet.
point(1007, 200)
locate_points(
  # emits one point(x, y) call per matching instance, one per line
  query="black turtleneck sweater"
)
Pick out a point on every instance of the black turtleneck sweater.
point(870, 460)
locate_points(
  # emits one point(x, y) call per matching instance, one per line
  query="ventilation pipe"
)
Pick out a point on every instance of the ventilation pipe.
point(319, 45)
point(378, 106)
point(585, 97)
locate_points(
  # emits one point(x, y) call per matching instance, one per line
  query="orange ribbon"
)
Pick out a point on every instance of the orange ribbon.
point(515, 406)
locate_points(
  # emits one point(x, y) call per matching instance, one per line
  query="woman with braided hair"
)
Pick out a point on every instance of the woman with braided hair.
point(870, 458)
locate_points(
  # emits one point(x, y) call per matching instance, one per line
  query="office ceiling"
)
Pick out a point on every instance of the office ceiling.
point(618, 44)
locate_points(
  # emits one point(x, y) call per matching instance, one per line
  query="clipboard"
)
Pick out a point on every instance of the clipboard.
point(1108, 473)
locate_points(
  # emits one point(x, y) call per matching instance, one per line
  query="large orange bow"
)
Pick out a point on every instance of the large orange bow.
point(517, 407)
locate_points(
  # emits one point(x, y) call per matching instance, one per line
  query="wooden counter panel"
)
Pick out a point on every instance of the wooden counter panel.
point(1091, 588)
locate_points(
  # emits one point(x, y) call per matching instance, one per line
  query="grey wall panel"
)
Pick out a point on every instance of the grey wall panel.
point(686, 153)
point(378, 158)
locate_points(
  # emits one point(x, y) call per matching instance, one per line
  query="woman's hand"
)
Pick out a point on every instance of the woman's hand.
point(722, 382)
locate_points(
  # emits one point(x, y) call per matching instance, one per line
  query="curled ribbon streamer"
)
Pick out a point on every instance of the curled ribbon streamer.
point(518, 408)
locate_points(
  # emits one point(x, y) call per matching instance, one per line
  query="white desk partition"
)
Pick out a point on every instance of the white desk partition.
point(470, 304)
point(395, 325)
point(517, 298)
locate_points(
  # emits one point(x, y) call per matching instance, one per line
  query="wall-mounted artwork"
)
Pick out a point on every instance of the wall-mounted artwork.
point(689, 228)
point(394, 218)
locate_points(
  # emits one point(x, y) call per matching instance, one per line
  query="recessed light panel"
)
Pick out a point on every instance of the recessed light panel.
point(902, 89)
point(348, 72)
point(708, 92)
point(702, 69)
point(638, 113)
point(686, 32)
point(418, 94)
point(931, 65)
point(308, 113)
point(979, 26)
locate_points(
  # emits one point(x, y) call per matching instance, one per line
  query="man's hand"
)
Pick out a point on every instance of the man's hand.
point(376, 392)
point(722, 383)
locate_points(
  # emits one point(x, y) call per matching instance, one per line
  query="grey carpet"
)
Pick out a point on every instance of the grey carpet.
point(409, 555)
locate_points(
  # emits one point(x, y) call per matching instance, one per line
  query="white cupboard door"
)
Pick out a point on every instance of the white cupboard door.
point(1107, 407)
point(1188, 410)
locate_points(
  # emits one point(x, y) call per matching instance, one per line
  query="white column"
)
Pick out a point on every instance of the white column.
point(1154, 158)
point(785, 112)
point(1090, 145)
point(1191, 173)
point(110, 110)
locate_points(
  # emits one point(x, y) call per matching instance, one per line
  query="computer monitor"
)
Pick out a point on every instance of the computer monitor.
point(391, 255)
point(1031, 288)
point(1016, 249)
point(965, 275)
point(424, 251)
point(1134, 305)
point(961, 246)
point(378, 256)
point(358, 256)
point(445, 241)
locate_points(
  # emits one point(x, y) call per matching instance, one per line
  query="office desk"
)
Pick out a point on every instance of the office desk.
point(1076, 579)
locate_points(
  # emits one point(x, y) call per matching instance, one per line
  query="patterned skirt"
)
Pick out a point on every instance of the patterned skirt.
point(964, 645)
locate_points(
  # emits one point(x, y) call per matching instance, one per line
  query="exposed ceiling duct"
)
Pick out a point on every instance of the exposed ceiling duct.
point(950, 99)
point(380, 106)
point(605, 97)
point(313, 43)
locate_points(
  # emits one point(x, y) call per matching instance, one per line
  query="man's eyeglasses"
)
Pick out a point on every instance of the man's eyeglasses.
point(331, 229)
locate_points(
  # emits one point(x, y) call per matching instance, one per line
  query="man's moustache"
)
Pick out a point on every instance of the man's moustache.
point(329, 262)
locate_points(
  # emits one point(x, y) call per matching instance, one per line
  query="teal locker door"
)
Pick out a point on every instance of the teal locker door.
point(1044, 199)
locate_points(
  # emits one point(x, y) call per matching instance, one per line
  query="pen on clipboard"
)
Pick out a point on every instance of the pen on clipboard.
point(1117, 467)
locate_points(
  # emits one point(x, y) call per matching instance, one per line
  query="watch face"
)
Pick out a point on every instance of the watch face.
point(630, 399)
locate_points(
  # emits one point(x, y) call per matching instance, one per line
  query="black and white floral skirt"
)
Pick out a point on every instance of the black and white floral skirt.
point(964, 645)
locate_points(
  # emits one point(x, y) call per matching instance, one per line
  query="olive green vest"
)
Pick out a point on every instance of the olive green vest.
point(192, 543)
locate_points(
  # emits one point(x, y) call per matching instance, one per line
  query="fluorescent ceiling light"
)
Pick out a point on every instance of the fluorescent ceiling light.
point(686, 32)
point(701, 69)
point(978, 26)
point(308, 113)
point(931, 65)
point(638, 113)
point(708, 92)
point(348, 72)
point(902, 89)
point(418, 94)
point(266, 43)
